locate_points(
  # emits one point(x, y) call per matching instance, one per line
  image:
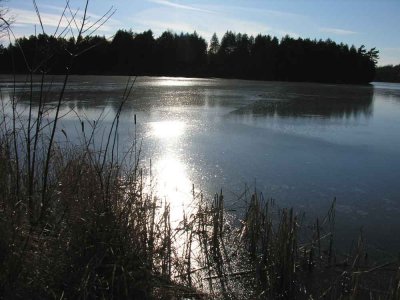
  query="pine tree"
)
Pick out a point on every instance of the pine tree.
point(214, 44)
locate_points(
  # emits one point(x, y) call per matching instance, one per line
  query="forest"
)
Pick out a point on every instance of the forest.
point(235, 55)
point(388, 73)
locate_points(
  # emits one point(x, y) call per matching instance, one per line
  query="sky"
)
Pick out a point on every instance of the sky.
point(359, 22)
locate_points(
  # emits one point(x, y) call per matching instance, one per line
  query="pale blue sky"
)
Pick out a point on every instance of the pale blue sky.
point(372, 23)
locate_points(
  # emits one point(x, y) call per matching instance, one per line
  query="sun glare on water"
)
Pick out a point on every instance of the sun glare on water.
point(175, 82)
point(172, 181)
point(173, 184)
point(167, 129)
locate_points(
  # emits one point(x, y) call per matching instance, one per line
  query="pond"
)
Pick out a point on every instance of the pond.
point(302, 144)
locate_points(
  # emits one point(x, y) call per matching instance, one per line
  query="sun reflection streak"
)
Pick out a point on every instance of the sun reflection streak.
point(173, 184)
point(167, 129)
point(175, 82)
point(174, 188)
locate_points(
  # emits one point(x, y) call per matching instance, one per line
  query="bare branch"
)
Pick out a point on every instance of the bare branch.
point(110, 11)
point(68, 27)
point(102, 23)
point(83, 21)
point(10, 32)
point(38, 14)
point(5, 21)
point(73, 16)
point(61, 17)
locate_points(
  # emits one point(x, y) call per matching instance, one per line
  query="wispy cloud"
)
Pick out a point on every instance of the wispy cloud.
point(337, 31)
point(160, 19)
point(78, 10)
point(261, 11)
point(279, 13)
point(180, 6)
point(27, 18)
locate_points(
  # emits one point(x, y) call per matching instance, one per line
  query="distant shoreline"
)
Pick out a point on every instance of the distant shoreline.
point(235, 55)
point(20, 78)
point(388, 73)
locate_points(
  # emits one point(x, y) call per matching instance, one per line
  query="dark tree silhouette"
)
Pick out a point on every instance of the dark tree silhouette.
point(263, 57)
point(120, 53)
point(213, 54)
point(214, 45)
point(143, 53)
point(186, 54)
point(388, 73)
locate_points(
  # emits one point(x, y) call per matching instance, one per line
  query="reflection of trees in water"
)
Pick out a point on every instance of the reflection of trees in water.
point(272, 98)
point(77, 100)
point(394, 93)
point(142, 98)
point(333, 102)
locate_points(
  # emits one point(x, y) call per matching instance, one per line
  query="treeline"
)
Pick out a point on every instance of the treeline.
point(187, 54)
point(388, 73)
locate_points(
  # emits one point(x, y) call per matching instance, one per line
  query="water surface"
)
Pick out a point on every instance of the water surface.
point(302, 144)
